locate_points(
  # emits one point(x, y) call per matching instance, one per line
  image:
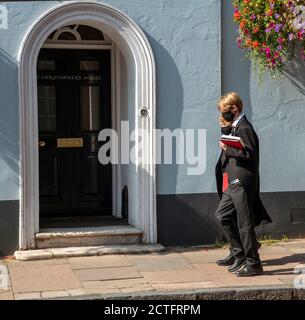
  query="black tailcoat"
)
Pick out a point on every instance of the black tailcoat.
point(244, 165)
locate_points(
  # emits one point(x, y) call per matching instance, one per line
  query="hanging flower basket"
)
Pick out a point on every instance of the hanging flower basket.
point(269, 31)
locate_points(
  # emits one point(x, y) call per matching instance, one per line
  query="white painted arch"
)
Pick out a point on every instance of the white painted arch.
point(141, 74)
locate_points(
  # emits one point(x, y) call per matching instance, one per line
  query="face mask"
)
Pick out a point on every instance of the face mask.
point(228, 116)
point(226, 130)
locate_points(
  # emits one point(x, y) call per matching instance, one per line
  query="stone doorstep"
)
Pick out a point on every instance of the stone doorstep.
point(47, 234)
point(84, 237)
point(88, 241)
point(51, 253)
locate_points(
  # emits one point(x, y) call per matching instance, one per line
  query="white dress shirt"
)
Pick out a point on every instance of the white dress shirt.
point(235, 123)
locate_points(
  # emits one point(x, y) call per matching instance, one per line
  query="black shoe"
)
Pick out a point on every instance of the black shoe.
point(228, 261)
point(250, 270)
point(238, 263)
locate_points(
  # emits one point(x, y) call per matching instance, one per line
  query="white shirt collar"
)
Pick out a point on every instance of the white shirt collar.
point(234, 124)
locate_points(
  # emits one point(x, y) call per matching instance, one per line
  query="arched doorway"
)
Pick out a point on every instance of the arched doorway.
point(140, 73)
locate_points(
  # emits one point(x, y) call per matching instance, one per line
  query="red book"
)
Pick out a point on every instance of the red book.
point(225, 181)
point(232, 141)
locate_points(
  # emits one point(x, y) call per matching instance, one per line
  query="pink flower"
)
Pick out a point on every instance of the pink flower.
point(290, 36)
point(239, 42)
point(300, 35)
point(268, 52)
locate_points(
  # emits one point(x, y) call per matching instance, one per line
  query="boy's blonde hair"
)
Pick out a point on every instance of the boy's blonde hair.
point(226, 102)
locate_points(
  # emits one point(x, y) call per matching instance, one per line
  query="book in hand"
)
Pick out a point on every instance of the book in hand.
point(232, 141)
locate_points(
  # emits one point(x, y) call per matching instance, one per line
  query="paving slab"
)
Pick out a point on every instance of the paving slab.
point(107, 273)
point(186, 273)
point(223, 278)
point(103, 291)
point(298, 251)
point(161, 262)
point(6, 295)
point(34, 263)
point(5, 281)
point(3, 268)
point(281, 260)
point(99, 285)
point(120, 284)
point(287, 280)
point(293, 244)
point(207, 269)
point(227, 282)
point(173, 276)
point(271, 275)
point(42, 278)
point(110, 261)
point(28, 296)
point(137, 289)
point(54, 294)
point(282, 267)
point(184, 286)
point(205, 255)
point(76, 292)
point(125, 285)
point(274, 250)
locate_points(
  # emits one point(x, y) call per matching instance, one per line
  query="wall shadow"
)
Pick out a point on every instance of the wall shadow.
point(236, 70)
point(187, 219)
point(169, 107)
point(9, 154)
point(183, 219)
point(294, 71)
point(9, 131)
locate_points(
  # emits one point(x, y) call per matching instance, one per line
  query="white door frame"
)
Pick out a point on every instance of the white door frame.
point(139, 58)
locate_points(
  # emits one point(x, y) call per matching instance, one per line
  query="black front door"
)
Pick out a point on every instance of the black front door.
point(73, 106)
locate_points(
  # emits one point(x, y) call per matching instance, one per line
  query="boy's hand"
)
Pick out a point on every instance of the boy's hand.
point(223, 146)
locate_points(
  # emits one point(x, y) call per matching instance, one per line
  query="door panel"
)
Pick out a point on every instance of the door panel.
point(90, 181)
point(53, 195)
point(49, 178)
point(90, 108)
point(73, 102)
point(47, 107)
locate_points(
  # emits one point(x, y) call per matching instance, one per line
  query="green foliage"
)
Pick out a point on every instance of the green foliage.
point(284, 238)
point(220, 244)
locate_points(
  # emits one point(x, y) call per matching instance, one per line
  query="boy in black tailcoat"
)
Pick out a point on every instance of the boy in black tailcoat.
point(237, 174)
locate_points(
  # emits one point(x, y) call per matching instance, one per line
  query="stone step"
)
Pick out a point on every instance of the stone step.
point(78, 237)
point(42, 254)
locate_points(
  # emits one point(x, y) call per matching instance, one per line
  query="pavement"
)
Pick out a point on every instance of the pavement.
point(183, 273)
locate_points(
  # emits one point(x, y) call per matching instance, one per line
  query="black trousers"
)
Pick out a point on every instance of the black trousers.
point(237, 222)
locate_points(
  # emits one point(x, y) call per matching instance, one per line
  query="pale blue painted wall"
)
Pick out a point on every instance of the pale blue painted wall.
point(186, 40)
point(277, 110)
